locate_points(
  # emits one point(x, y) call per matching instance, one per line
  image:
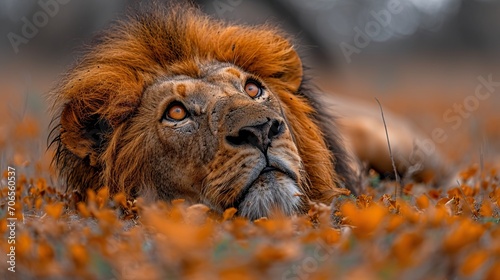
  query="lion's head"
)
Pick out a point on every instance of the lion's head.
point(171, 104)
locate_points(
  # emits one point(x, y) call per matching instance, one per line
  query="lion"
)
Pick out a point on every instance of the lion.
point(171, 103)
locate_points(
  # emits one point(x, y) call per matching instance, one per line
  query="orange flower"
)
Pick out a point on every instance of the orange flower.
point(102, 197)
point(229, 213)
point(364, 221)
point(422, 202)
point(469, 191)
point(465, 233)
point(24, 244)
point(364, 201)
point(180, 236)
point(45, 252)
point(494, 271)
point(38, 203)
point(468, 173)
point(27, 128)
point(279, 227)
point(54, 210)
point(405, 247)
point(269, 253)
point(486, 209)
point(330, 236)
point(474, 261)
point(79, 255)
point(434, 194)
point(83, 210)
point(236, 271)
point(120, 199)
point(106, 217)
point(394, 222)
point(495, 196)
point(3, 226)
point(408, 212)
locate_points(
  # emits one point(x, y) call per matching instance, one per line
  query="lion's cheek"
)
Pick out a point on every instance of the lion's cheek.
point(175, 173)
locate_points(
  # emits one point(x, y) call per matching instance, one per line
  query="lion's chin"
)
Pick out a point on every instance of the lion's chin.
point(272, 193)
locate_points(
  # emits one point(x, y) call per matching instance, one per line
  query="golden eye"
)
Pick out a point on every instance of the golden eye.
point(253, 89)
point(176, 112)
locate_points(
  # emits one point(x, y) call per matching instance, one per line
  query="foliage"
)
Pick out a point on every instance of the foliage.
point(434, 234)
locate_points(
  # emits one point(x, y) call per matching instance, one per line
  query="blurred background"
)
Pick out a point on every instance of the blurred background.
point(423, 59)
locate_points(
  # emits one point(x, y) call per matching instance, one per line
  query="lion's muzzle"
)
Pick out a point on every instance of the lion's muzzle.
point(258, 135)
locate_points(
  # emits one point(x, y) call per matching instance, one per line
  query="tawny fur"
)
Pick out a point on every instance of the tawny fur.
point(98, 145)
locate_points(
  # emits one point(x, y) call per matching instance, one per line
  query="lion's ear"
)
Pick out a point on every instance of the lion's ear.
point(263, 51)
point(295, 73)
point(82, 135)
point(282, 64)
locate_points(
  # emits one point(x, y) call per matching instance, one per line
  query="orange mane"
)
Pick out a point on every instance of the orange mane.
point(106, 85)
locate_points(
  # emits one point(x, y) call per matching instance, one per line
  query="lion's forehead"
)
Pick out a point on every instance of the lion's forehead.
point(215, 80)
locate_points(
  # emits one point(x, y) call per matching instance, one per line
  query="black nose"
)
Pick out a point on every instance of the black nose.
point(259, 135)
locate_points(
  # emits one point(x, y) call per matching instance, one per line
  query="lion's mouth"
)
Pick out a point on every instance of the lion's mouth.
point(268, 169)
point(278, 166)
point(246, 189)
point(273, 188)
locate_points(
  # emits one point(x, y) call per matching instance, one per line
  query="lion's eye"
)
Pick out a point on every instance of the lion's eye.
point(253, 89)
point(176, 112)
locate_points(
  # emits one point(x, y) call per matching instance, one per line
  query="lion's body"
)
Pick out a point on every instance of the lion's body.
point(111, 129)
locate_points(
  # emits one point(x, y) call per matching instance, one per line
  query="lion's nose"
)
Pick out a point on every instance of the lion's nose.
point(259, 135)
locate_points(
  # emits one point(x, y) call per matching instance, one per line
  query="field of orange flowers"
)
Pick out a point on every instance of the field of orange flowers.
point(423, 233)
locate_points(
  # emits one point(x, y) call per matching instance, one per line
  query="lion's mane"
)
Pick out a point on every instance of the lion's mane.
point(95, 99)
